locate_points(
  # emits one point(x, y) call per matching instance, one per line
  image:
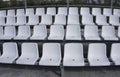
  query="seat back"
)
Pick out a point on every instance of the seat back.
point(73, 11)
point(30, 50)
point(10, 31)
point(107, 11)
point(73, 48)
point(108, 31)
point(96, 11)
point(52, 50)
point(10, 49)
point(24, 31)
point(73, 30)
point(85, 11)
point(2, 13)
point(40, 11)
point(11, 13)
point(20, 12)
point(40, 31)
point(91, 31)
point(29, 11)
point(56, 30)
point(73, 19)
point(51, 10)
point(97, 50)
point(62, 10)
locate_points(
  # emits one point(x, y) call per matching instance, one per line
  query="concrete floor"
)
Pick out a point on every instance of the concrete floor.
point(28, 71)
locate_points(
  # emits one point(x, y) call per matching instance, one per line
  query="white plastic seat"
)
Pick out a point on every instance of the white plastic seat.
point(73, 32)
point(116, 12)
point(60, 20)
point(101, 20)
point(118, 34)
point(39, 33)
point(2, 13)
point(87, 20)
point(114, 20)
point(21, 20)
point(33, 20)
point(51, 54)
point(96, 11)
point(115, 57)
point(107, 11)
point(46, 20)
point(20, 12)
point(85, 11)
point(73, 55)
point(73, 11)
point(10, 21)
point(40, 11)
point(2, 21)
point(108, 33)
point(51, 11)
point(10, 52)
point(29, 11)
point(91, 33)
point(62, 11)
point(29, 54)
point(11, 12)
point(97, 55)
point(56, 32)
point(23, 33)
point(9, 32)
point(1, 32)
point(73, 20)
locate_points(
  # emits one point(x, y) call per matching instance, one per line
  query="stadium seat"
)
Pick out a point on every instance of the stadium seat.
point(9, 32)
point(101, 20)
point(33, 20)
point(114, 20)
point(73, 11)
point(10, 52)
point(73, 55)
point(107, 11)
point(39, 33)
point(96, 11)
point(23, 33)
point(85, 11)
point(73, 32)
point(115, 57)
point(97, 55)
point(46, 20)
point(62, 11)
point(60, 20)
point(2, 21)
point(2, 13)
point(10, 21)
point(51, 11)
point(29, 11)
point(21, 20)
point(20, 12)
point(73, 20)
point(116, 12)
point(87, 20)
point(51, 54)
point(29, 54)
point(108, 33)
point(56, 32)
point(91, 33)
point(118, 32)
point(40, 11)
point(1, 32)
point(11, 12)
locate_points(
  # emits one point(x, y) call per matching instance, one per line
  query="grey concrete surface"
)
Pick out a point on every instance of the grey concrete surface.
point(11, 71)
